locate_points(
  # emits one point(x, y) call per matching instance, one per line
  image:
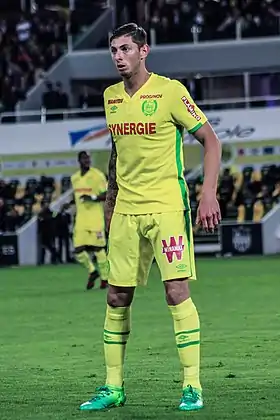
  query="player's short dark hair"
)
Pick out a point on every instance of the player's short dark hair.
point(137, 33)
point(81, 154)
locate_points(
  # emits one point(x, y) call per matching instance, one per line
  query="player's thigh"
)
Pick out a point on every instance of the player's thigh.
point(89, 238)
point(173, 246)
point(97, 238)
point(130, 254)
point(80, 237)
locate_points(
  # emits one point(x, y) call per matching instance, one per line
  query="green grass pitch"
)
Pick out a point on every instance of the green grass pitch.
point(51, 354)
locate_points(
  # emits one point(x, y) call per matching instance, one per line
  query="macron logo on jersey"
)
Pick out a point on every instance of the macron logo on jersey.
point(155, 96)
point(129, 128)
point(190, 108)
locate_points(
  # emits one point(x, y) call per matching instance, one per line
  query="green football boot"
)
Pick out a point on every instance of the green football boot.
point(191, 399)
point(106, 397)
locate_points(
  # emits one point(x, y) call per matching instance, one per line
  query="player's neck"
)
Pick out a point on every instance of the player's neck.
point(84, 171)
point(136, 81)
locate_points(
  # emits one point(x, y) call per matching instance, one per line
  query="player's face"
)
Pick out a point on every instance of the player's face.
point(85, 161)
point(127, 56)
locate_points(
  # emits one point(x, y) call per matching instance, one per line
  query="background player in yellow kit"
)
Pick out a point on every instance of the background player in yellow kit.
point(147, 208)
point(89, 185)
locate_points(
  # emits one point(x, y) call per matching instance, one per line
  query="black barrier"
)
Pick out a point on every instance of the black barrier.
point(8, 249)
point(241, 239)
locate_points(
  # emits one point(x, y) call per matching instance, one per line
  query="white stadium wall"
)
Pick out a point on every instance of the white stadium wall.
point(73, 135)
point(30, 149)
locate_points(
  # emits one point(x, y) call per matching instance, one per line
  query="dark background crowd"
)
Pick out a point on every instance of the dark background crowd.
point(179, 20)
point(247, 195)
point(184, 21)
point(18, 203)
point(32, 40)
point(29, 45)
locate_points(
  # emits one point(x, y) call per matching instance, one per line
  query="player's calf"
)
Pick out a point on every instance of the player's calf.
point(187, 335)
point(116, 334)
point(83, 257)
point(103, 266)
point(91, 280)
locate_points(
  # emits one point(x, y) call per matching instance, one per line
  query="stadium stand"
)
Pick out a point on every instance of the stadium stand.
point(31, 41)
point(204, 20)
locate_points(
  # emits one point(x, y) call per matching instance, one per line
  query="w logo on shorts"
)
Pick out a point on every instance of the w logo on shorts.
point(174, 248)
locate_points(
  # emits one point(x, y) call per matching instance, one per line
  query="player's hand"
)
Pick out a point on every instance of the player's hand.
point(208, 212)
point(87, 198)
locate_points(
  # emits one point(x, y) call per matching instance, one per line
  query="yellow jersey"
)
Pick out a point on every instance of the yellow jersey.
point(147, 129)
point(89, 215)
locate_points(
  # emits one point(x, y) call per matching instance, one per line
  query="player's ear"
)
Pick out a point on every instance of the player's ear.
point(144, 51)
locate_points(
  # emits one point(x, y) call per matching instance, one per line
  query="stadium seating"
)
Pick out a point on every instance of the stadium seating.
point(243, 196)
point(184, 21)
point(22, 201)
point(32, 41)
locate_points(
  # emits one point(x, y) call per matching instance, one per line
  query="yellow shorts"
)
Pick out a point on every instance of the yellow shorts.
point(85, 237)
point(135, 240)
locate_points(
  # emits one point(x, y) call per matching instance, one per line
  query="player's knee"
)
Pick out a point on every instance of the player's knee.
point(177, 291)
point(101, 254)
point(120, 296)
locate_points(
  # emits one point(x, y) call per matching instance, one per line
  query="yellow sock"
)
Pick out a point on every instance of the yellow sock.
point(102, 264)
point(116, 333)
point(187, 333)
point(84, 259)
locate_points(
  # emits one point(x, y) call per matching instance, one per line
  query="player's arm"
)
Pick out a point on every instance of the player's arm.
point(93, 198)
point(208, 212)
point(187, 114)
point(102, 192)
point(102, 188)
point(112, 190)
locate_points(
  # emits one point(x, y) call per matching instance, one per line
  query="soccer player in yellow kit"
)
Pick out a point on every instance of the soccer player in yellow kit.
point(90, 185)
point(147, 208)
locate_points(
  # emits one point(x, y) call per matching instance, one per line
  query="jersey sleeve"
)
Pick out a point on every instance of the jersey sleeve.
point(102, 183)
point(184, 111)
point(105, 100)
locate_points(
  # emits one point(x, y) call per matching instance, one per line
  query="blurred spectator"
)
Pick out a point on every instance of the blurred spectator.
point(2, 215)
point(84, 98)
point(29, 45)
point(225, 191)
point(276, 193)
point(62, 97)
point(2, 189)
point(23, 29)
point(12, 220)
point(33, 40)
point(49, 97)
point(130, 11)
point(54, 99)
point(185, 20)
point(63, 221)
point(46, 232)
